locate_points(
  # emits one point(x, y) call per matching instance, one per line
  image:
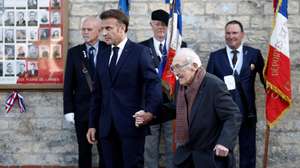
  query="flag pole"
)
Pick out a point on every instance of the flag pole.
point(266, 150)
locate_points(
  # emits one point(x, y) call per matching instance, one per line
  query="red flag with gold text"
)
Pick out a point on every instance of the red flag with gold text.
point(277, 70)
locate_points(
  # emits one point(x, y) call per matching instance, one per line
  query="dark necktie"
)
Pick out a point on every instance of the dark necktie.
point(161, 48)
point(234, 58)
point(91, 60)
point(113, 61)
point(162, 60)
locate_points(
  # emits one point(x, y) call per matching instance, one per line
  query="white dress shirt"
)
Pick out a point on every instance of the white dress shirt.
point(239, 62)
point(156, 44)
point(121, 47)
point(95, 52)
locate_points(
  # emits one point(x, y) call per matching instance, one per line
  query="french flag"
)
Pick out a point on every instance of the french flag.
point(277, 69)
point(124, 6)
point(173, 42)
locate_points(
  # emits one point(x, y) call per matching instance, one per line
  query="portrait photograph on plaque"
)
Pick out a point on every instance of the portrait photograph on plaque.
point(33, 43)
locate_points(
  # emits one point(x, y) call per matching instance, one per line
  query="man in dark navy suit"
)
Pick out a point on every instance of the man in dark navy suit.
point(237, 65)
point(126, 97)
point(76, 88)
point(159, 25)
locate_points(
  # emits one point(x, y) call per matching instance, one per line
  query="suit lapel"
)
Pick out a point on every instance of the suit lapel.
point(151, 44)
point(155, 57)
point(100, 49)
point(84, 58)
point(246, 59)
point(122, 59)
point(83, 54)
point(225, 60)
point(104, 60)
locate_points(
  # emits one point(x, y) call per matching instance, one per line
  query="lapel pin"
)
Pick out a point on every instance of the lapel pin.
point(84, 54)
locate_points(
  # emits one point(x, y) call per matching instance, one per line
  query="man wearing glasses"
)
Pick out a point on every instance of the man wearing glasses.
point(207, 119)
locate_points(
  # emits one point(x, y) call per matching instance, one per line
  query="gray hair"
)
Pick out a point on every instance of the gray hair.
point(189, 55)
point(94, 19)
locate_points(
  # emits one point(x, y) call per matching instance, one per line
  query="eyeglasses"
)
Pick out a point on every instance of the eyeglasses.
point(158, 23)
point(178, 68)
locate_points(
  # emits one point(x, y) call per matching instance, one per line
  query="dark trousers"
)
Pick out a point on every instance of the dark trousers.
point(207, 161)
point(247, 143)
point(123, 152)
point(188, 163)
point(84, 148)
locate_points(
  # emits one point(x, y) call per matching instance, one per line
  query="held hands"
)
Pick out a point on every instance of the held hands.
point(91, 136)
point(221, 150)
point(70, 117)
point(142, 118)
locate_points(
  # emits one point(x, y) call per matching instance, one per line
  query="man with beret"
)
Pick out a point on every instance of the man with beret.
point(159, 24)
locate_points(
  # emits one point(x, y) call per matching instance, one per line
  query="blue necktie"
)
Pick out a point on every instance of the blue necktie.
point(113, 61)
point(162, 65)
point(91, 61)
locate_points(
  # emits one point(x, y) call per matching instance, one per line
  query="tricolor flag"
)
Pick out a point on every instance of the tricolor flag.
point(124, 6)
point(173, 42)
point(12, 98)
point(277, 68)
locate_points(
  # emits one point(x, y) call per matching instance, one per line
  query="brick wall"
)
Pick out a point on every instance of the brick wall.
point(42, 137)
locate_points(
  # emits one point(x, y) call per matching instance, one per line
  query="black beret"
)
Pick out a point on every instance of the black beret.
point(160, 15)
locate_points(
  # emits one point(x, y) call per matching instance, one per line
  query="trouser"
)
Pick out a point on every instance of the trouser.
point(123, 152)
point(152, 144)
point(84, 148)
point(247, 143)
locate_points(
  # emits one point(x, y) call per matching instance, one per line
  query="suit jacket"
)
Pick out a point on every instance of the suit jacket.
point(116, 98)
point(32, 73)
point(32, 22)
point(76, 90)
point(167, 110)
point(215, 119)
point(244, 94)
point(20, 23)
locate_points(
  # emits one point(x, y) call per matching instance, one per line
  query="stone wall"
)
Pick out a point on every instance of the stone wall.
point(41, 136)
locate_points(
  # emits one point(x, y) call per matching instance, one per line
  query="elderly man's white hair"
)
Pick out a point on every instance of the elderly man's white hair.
point(188, 55)
point(94, 19)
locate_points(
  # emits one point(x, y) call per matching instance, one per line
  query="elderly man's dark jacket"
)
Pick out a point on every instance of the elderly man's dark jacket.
point(215, 119)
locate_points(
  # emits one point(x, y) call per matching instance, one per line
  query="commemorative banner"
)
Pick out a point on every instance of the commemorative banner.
point(32, 43)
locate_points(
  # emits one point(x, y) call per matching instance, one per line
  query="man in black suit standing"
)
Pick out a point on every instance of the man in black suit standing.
point(124, 75)
point(159, 25)
point(76, 87)
point(237, 65)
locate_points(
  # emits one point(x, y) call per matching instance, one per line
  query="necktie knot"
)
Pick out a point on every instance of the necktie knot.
point(91, 51)
point(234, 51)
point(115, 50)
